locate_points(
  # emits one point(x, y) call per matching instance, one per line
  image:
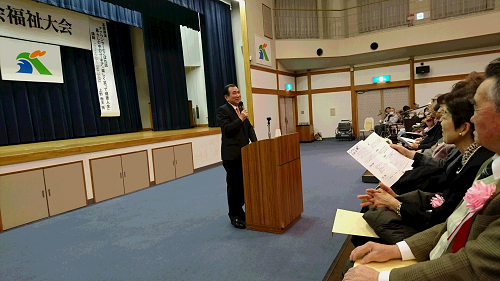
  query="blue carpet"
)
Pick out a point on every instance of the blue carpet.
point(180, 231)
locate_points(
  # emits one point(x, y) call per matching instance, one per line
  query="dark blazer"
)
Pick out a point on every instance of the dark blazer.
point(478, 260)
point(235, 133)
point(433, 135)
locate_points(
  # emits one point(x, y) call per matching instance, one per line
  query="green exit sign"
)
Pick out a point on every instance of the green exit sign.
point(380, 79)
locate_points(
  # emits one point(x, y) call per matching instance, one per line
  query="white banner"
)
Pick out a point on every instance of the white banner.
point(263, 51)
point(38, 22)
point(28, 61)
point(106, 86)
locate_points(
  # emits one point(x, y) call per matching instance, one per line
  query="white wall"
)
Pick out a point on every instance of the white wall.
point(425, 92)
point(206, 151)
point(302, 83)
point(331, 80)
point(141, 75)
point(238, 51)
point(195, 73)
point(457, 65)
point(263, 79)
point(397, 73)
point(321, 104)
point(285, 79)
point(303, 108)
point(255, 26)
point(265, 106)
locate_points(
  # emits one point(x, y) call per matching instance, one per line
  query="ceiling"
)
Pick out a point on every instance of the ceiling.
point(304, 64)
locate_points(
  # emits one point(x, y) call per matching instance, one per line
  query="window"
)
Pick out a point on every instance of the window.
point(375, 15)
point(451, 8)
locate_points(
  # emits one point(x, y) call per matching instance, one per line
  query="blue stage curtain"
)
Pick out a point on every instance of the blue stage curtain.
point(218, 54)
point(100, 9)
point(35, 112)
point(166, 74)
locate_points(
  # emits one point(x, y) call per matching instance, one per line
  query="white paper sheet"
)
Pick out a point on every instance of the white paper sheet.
point(380, 159)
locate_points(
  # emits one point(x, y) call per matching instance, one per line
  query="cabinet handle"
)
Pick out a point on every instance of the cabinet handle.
point(121, 176)
point(43, 194)
point(49, 192)
point(124, 175)
point(175, 162)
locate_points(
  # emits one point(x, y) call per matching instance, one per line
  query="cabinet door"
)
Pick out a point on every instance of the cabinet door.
point(65, 188)
point(183, 160)
point(163, 162)
point(107, 178)
point(22, 198)
point(135, 171)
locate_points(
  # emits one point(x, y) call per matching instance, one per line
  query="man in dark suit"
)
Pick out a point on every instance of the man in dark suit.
point(236, 131)
point(453, 250)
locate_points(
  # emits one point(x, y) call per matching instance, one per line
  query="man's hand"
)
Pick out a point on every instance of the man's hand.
point(361, 273)
point(243, 115)
point(372, 251)
point(405, 152)
point(379, 198)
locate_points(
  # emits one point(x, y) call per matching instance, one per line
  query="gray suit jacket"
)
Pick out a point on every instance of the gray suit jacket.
point(478, 260)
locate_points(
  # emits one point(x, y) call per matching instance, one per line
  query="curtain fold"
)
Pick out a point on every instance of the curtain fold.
point(380, 15)
point(450, 8)
point(166, 74)
point(291, 24)
point(35, 112)
point(218, 54)
point(100, 9)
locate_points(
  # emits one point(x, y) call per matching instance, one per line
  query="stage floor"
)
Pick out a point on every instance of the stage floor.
point(22, 153)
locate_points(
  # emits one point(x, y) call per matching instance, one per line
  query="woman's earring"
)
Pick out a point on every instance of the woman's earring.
point(460, 134)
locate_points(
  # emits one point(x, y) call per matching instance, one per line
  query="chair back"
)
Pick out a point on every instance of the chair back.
point(369, 123)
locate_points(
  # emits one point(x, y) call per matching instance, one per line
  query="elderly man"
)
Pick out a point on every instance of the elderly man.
point(467, 245)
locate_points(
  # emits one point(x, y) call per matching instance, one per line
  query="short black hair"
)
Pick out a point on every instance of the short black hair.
point(226, 89)
point(405, 108)
point(387, 108)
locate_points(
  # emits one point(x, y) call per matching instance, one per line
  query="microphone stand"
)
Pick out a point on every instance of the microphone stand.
point(269, 128)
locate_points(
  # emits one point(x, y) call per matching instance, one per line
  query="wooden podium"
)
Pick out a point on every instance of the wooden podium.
point(273, 183)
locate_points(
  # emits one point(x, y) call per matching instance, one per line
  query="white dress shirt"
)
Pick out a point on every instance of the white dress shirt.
point(453, 221)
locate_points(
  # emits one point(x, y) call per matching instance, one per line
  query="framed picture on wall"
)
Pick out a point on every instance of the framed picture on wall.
point(267, 19)
point(263, 51)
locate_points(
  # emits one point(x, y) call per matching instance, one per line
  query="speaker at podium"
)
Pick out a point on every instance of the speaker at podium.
point(273, 183)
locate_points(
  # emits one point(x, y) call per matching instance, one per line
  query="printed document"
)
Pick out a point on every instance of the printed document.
point(380, 159)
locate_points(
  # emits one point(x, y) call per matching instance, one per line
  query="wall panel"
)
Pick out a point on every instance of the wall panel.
point(331, 80)
point(263, 79)
point(322, 103)
point(265, 106)
point(397, 73)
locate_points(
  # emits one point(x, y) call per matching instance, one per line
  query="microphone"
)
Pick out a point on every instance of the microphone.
point(240, 106)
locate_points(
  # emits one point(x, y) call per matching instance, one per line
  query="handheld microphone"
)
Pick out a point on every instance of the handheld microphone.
point(240, 106)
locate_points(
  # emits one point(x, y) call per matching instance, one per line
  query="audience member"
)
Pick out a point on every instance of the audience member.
point(390, 118)
point(467, 245)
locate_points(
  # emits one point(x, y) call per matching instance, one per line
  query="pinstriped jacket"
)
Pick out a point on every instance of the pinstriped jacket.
point(478, 260)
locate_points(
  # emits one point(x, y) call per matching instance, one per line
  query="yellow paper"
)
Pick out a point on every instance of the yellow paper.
point(349, 222)
point(388, 265)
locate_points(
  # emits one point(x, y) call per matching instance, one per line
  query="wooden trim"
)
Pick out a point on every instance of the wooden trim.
point(285, 73)
point(43, 167)
point(301, 93)
point(278, 93)
point(264, 91)
point(301, 75)
point(202, 125)
point(459, 56)
point(260, 68)
point(354, 106)
point(382, 103)
point(331, 90)
point(412, 83)
point(246, 60)
point(382, 65)
point(377, 86)
point(287, 93)
point(340, 70)
point(296, 115)
point(442, 78)
point(147, 129)
point(28, 152)
point(92, 182)
point(309, 95)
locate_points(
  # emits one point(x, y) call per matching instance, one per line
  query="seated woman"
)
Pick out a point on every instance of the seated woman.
point(396, 217)
point(432, 135)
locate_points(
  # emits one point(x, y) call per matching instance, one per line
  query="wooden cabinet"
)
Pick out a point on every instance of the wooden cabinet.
point(32, 195)
point(306, 133)
point(172, 162)
point(116, 175)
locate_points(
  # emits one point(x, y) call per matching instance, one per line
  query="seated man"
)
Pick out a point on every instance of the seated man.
point(390, 118)
point(467, 245)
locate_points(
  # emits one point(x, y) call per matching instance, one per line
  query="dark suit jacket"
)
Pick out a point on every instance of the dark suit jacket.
point(433, 135)
point(478, 260)
point(235, 133)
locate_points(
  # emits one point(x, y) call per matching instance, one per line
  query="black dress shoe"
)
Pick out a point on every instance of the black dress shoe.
point(238, 223)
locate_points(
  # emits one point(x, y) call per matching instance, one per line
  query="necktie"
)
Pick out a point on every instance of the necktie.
point(488, 171)
point(238, 111)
